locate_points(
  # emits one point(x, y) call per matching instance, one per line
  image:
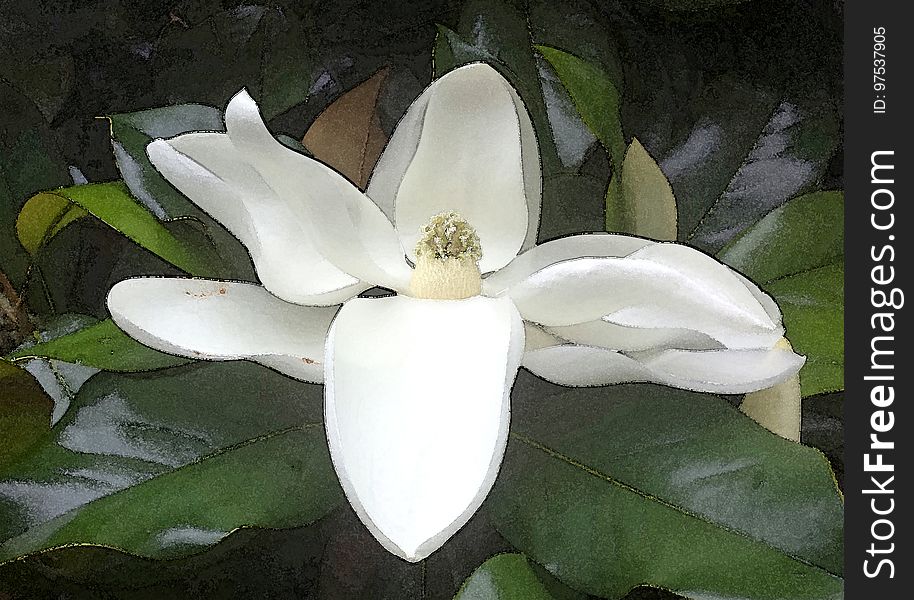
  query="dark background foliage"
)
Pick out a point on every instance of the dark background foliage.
point(64, 64)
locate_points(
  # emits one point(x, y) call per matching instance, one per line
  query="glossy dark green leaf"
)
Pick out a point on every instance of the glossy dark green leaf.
point(812, 303)
point(504, 577)
point(750, 149)
point(595, 96)
point(803, 234)
point(823, 428)
point(626, 485)
point(168, 463)
point(102, 345)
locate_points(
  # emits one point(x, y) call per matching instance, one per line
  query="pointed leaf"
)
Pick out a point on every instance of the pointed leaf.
point(813, 307)
point(635, 484)
point(112, 204)
point(44, 216)
point(647, 207)
point(165, 465)
point(348, 135)
point(504, 577)
point(595, 96)
point(102, 345)
point(803, 234)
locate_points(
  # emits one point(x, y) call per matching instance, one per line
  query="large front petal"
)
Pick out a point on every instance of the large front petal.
point(659, 285)
point(416, 410)
point(219, 320)
point(208, 169)
point(466, 145)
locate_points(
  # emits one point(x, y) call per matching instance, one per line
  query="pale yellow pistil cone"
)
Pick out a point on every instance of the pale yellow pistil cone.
point(447, 260)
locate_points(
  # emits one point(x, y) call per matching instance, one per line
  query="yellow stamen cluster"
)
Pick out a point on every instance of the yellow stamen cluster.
point(447, 257)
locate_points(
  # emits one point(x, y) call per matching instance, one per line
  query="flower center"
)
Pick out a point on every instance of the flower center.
point(447, 258)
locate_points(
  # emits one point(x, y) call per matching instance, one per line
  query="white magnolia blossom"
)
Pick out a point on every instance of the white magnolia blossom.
point(417, 383)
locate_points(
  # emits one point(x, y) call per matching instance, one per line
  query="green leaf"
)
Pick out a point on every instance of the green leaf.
point(636, 484)
point(25, 413)
point(595, 96)
point(646, 205)
point(504, 577)
point(102, 345)
point(803, 234)
point(168, 463)
point(813, 307)
point(751, 149)
point(112, 204)
point(796, 252)
point(42, 217)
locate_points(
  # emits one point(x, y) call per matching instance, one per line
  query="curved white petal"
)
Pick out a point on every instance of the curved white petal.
point(416, 410)
point(724, 371)
point(593, 245)
point(466, 145)
point(603, 334)
point(583, 366)
point(208, 169)
point(220, 320)
point(716, 371)
point(344, 225)
point(661, 285)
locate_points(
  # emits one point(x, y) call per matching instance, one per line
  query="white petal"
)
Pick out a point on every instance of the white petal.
point(583, 366)
point(715, 371)
point(577, 246)
point(219, 320)
point(662, 285)
point(467, 145)
point(723, 371)
point(346, 227)
point(416, 410)
point(603, 334)
point(208, 169)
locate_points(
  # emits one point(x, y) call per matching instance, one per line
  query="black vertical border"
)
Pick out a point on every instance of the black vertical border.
point(867, 132)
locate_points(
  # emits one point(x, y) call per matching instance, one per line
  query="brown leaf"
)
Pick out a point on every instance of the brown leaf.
point(348, 135)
